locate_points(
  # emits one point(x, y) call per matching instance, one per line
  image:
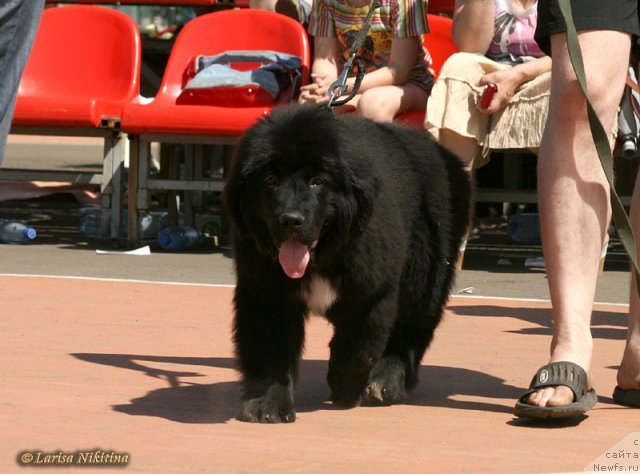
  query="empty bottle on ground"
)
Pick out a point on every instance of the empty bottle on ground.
point(14, 232)
point(176, 239)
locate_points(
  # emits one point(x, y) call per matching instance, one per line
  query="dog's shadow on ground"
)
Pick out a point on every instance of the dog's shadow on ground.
point(184, 400)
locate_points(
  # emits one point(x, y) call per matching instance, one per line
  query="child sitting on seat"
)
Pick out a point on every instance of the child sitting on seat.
point(398, 76)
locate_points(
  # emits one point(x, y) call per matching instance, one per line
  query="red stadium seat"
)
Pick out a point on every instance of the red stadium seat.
point(84, 66)
point(167, 119)
point(439, 40)
point(440, 45)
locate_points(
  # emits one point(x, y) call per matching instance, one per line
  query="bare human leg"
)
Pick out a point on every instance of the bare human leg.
point(629, 370)
point(574, 195)
point(465, 148)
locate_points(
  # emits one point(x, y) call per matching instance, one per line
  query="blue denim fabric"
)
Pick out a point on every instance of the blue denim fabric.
point(213, 71)
point(19, 20)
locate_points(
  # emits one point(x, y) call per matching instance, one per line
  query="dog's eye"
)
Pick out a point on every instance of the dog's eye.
point(271, 180)
point(316, 181)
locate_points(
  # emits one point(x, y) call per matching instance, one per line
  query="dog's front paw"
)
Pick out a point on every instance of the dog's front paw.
point(387, 381)
point(275, 406)
point(263, 410)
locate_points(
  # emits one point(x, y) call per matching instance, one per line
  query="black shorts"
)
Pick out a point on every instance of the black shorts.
point(619, 15)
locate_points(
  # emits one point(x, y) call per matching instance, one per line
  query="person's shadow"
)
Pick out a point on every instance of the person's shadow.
point(604, 324)
point(185, 401)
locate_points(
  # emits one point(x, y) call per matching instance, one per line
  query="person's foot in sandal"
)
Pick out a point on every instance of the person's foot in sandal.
point(572, 343)
point(627, 392)
point(558, 390)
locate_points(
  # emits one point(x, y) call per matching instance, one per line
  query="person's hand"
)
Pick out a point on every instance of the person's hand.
point(507, 81)
point(316, 91)
point(309, 94)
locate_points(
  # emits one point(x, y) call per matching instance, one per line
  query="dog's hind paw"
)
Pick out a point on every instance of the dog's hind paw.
point(343, 402)
point(387, 380)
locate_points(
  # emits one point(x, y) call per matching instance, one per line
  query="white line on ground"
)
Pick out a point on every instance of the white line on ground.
point(117, 280)
point(219, 285)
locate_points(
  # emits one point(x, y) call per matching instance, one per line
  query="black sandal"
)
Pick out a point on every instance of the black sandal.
point(627, 397)
point(555, 374)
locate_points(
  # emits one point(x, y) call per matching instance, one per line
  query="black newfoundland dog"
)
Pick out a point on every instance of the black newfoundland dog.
point(350, 219)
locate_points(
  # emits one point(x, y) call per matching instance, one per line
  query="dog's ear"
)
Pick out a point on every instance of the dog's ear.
point(364, 189)
point(240, 201)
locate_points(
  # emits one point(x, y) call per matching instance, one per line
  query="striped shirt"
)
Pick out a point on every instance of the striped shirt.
point(394, 19)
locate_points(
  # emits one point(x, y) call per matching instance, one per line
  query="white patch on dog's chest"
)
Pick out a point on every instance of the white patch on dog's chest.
point(320, 296)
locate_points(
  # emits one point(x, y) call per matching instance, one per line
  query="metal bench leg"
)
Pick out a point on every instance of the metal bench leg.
point(113, 164)
point(138, 192)
point(110, 187)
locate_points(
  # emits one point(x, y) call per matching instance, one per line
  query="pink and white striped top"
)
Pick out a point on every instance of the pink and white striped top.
point(513, 40)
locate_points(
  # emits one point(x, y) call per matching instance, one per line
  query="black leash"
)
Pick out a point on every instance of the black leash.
point(601, 140)
point(339, 87)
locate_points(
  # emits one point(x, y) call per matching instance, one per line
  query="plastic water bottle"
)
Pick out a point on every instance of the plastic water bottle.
point(90, 222)
point(14, 232)
point(177, 239)
point(152, 223)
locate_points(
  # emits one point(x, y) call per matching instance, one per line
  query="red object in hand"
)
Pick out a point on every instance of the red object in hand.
point(487, 95)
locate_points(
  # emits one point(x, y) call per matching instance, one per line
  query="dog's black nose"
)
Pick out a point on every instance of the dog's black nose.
point(292, 220)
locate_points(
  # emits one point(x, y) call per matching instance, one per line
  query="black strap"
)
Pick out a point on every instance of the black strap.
point(339, 87)
point(563, 373)
point(601, 140)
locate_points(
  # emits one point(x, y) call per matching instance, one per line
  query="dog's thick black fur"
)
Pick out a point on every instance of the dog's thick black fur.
point(355, 220)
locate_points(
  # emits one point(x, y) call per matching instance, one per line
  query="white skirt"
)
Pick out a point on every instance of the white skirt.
point(452, 105)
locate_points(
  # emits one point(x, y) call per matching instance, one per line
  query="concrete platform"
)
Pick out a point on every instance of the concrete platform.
point(146, 369)
point(119, 355)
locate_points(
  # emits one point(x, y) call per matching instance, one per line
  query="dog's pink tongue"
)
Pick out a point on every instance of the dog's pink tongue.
point(294, 258)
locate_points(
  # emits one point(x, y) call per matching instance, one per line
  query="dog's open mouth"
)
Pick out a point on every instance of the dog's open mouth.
point(294, 257)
